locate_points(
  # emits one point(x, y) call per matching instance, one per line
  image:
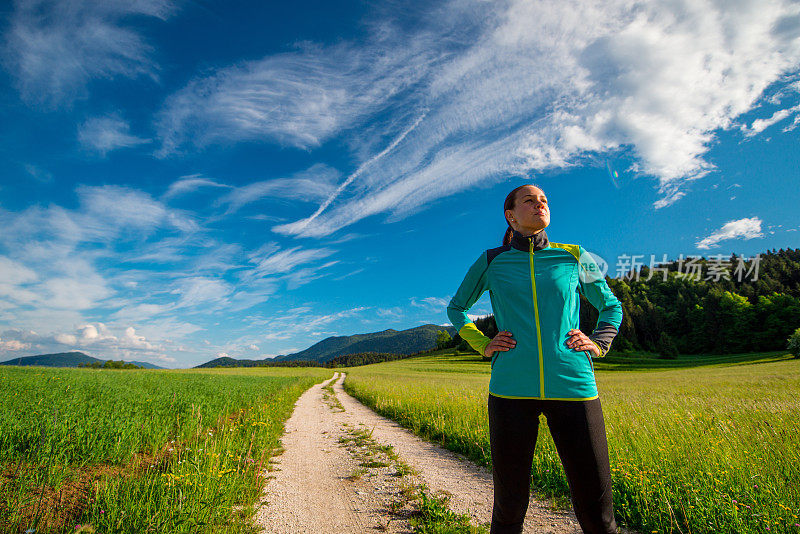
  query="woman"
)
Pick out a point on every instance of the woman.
point(541, 361)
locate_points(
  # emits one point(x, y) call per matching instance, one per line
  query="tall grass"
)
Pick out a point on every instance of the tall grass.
point(703, 450)
point(139, 451)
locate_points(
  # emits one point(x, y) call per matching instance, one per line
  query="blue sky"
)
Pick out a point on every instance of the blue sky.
point(185, 180)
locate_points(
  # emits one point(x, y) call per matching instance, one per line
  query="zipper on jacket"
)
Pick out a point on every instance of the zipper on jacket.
point(536, 317)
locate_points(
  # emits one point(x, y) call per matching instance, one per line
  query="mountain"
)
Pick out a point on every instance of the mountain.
point(387, 341)
point(62, 359)
point(66, 359)
point(391, 341)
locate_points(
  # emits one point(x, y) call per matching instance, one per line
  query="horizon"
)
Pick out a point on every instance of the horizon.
point(186, 182)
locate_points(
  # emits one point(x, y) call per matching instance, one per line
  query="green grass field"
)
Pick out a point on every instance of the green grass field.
point(700, 449)
point(139, 451)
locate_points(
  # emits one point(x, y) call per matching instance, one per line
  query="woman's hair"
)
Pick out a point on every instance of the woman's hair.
point(511, 201)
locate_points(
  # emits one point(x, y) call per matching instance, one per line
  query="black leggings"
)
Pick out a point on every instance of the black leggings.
point(579, 433)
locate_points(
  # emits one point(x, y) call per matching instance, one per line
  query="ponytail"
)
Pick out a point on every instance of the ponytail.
point(508, 235)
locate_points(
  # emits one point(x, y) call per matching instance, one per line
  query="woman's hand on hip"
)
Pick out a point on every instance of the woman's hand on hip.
point(502, 342)
point(578, 341)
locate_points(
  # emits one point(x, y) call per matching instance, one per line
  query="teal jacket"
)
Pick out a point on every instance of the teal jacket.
point(534, 287)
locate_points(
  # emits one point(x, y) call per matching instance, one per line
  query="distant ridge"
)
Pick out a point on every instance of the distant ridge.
point(392, 341)
point(65, 359)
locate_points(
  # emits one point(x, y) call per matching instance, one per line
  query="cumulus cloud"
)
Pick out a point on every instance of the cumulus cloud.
point(97, 337)
point(104, 134)
point(489, 90)
point(13, 345)
point(54, 48)
point(747, 228)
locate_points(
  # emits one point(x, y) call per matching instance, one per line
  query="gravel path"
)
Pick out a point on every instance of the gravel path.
point(311, 493)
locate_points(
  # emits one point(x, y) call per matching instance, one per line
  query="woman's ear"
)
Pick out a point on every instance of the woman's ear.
point(510, 216)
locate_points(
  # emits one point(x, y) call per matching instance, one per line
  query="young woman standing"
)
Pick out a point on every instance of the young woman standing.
point(541, 362)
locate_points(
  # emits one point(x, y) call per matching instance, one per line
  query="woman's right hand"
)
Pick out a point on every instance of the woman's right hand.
point(502, 342)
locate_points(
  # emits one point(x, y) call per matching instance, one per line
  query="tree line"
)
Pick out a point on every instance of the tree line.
point(110, 364)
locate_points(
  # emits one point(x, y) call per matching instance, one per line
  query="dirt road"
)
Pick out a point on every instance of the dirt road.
point(322, 486)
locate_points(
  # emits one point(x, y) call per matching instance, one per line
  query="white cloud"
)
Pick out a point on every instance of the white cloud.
point(492, 90)
point(13, 345)
point(301, 277)
point(97, 338)
point(747, 228)
point(57, 264)
point(311, 185)
point(132, 340)
point(42, 175)
point(195, 291)
point(299, 98)
point(759, 125)
point(66, 339)
point(13, 273)
point(104, 134)
point(189, 184)
point(54, 48)
point(109, 210)
point(270, 259)
point(390, 313)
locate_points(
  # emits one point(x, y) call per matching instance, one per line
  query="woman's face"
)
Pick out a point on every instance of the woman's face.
point(531, 212)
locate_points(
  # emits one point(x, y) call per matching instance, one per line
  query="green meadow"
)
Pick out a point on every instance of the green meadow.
point(85, 450)
point(706, 444)
point(702, 444)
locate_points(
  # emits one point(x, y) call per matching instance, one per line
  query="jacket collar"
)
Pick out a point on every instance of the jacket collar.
point(523, 242)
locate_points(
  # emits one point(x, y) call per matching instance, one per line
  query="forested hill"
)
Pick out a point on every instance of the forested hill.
point(720, 308)
point(393, 342)
point(67, 359)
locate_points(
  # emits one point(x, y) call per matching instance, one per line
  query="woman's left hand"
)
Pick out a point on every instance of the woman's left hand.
point(578, 341)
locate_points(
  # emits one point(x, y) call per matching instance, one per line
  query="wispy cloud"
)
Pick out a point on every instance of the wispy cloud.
point(430, 302)
point(190, 184)
point(54, 48)
point(747, 228)
point(502, 89)
point(311, 185)
point(759, 125)
point(270, 259)
point(111, 210)
point(104, 134)
point(58, 264)
point(298, 99)
point(154, 273)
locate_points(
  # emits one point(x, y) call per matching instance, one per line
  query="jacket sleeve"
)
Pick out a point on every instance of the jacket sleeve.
point(592, 284)
point(470, 290)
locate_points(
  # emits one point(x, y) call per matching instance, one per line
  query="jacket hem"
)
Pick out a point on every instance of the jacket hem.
point(545, 398)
